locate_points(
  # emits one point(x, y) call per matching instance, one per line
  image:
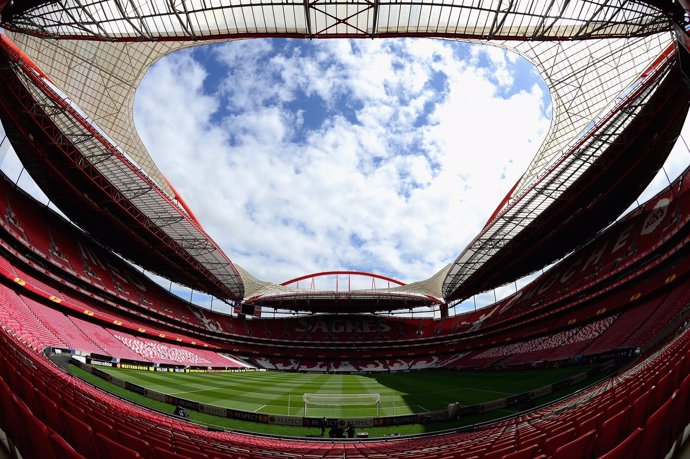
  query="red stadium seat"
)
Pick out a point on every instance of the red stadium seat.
point(612, 432)
point(627, 448)
point(589, 422)
point(34, 436)
point(580, 448)
point(525, 453)
point(656, 438)
point(499, 453)
point(25, 391)
point(100, 426)
point(136, 443)
point(8, 418)
point(534, 437)
point(663, 390)
point(553, 442)
point(616, 408)
point(48, 411)
point(73, 408)
point(190, 453)
point(78, 434)
point(640, 408)
point(111, 449)
point(62, 449)
point(161, 453)
point(682, 413)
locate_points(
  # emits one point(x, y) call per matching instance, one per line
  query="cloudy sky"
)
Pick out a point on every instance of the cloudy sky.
point(377, 155)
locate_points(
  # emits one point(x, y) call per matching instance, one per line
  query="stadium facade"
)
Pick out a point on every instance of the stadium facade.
point(617, 72)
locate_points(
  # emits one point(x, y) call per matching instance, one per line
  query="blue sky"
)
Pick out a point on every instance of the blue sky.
point(376, 155)
point(370, 155)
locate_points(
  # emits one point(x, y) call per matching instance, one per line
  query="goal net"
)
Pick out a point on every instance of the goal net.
point(338, 404)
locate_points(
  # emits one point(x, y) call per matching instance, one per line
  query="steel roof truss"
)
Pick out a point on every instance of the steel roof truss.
point(183, 17)
point(141, 28)
point(163, 221)
point(65, 125)
point(539, 197)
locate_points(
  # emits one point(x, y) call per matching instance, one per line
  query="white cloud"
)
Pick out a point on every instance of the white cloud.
point(400, 174)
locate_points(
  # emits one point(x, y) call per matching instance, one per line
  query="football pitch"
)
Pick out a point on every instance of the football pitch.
point(281, 393)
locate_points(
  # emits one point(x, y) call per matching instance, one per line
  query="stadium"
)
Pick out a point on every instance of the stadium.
point(590, 358)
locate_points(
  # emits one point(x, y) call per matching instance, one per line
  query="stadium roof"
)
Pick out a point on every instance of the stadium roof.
point(289, 295)
point(591, 54)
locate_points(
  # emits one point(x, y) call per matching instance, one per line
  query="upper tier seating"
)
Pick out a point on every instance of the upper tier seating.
point(661, 218)
point(59, 243)
point(630, 239)
point(626, 242)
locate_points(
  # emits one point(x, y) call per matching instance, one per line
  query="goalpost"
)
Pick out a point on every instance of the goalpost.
point(342, 400)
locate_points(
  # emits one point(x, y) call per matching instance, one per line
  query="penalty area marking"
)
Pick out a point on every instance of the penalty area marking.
point(260, 408)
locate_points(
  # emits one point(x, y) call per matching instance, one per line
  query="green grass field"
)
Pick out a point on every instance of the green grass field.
point(281, 393)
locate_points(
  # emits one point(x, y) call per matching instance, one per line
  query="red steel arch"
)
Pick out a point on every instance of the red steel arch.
point(343, 273)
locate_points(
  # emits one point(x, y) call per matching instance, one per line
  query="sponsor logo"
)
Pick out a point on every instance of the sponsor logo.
point(215, 410)
point(489, 406)
point(285, 420)
point(655, 217)
point(342, 326)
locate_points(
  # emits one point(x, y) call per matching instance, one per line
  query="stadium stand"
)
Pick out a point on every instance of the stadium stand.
point(661, 219)
point(471, 359)
point(153, 351)
point(619, 292)
point(63, 327)
point(19, 318)
point(650, 400)
point(624, 292)
point(564, 338)
point(42, 326)
point(324, 323)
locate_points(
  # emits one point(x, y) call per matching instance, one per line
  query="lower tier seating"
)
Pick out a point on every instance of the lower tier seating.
point(41, 326)
point(637, 414)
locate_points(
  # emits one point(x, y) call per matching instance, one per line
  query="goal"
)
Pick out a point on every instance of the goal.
point(331, 402)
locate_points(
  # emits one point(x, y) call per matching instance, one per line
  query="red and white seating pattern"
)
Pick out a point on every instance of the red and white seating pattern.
point(15, 316)
point(564, 338)
point(63, 327)
point(152, 351)
point(41, 326)
point(49, 236)
point(373, 366)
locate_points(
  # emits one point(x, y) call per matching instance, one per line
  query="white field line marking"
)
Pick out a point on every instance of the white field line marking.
point(260, 408)
point(423, 408)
